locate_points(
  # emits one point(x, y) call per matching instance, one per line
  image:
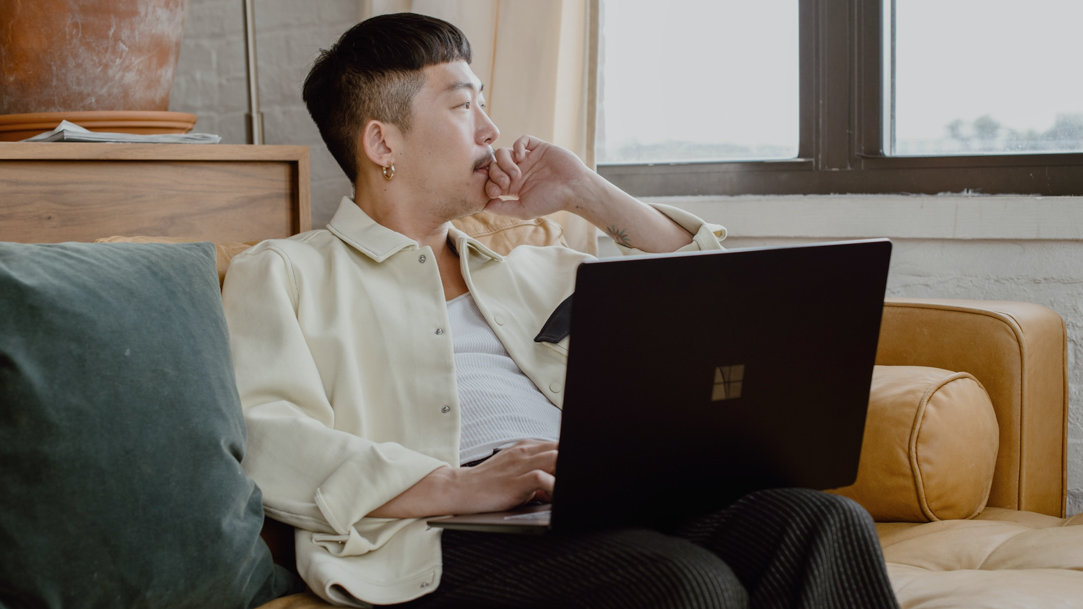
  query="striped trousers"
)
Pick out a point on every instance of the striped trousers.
point(774, 548)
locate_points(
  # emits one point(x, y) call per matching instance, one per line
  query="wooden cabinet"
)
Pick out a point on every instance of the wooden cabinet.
point(53, 192)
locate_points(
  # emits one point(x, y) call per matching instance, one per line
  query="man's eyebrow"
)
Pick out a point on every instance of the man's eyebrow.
point(465, 84)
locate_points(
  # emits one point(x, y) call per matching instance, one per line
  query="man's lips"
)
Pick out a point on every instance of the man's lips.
point(483, 163)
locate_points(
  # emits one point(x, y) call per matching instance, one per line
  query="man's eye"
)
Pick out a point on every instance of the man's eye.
point(467, 105)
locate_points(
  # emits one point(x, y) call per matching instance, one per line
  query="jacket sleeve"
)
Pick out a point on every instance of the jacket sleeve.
point(312, 475)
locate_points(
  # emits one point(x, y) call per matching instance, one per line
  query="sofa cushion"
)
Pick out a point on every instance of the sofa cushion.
point(929, 448)
point(1001, 559)
point(1019, 352)
point(225, 251)
point(121, 434)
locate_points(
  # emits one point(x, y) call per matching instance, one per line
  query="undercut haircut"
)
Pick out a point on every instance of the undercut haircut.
point(373, 72)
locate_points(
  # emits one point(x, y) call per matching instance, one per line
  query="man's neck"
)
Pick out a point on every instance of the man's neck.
point(403, 217)
point(427, 230)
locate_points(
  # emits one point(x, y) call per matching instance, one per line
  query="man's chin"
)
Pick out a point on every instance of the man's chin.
point(472, 207)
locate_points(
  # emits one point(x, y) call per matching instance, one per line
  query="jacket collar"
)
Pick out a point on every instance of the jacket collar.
point(354, 227)
point(463, 242)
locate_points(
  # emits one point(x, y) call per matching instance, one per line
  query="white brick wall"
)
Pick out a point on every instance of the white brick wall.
point(1018, 249)
point(212, 80)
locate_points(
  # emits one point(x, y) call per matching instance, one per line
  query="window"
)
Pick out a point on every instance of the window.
point(893, 96)
point(974, 76)
point(687, 94)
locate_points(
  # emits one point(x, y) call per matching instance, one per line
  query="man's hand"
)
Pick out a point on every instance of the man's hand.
point(513, 476)
point(534, 178)
point(520, 473)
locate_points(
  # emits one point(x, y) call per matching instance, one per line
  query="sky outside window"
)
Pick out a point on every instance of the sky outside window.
point(688, 80)
point(988, 76)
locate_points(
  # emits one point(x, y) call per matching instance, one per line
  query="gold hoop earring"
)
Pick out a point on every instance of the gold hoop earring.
point(389, 171)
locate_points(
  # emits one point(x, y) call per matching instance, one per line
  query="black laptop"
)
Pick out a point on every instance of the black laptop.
point(695, 378)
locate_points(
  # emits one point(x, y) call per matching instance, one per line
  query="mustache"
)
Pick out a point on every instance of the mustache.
point(487, 159)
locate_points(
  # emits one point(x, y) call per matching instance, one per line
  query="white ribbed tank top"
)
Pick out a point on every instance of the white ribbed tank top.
point(500, 405)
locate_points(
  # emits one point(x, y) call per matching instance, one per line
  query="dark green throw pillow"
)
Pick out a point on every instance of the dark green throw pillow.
point(121, 434)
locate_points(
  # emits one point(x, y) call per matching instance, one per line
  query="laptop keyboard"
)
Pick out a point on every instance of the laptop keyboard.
point(542, 515)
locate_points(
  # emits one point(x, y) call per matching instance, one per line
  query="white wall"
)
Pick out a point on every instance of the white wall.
point(1008, 248)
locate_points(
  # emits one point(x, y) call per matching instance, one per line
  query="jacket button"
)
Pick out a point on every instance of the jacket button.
point(439, 332)
point(421, 259)
point(445, 409)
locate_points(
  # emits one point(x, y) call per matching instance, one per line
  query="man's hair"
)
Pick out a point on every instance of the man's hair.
point(373, 73)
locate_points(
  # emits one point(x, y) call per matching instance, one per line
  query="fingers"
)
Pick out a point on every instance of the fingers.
point(538, 484)
point(536, 454)
point(503, 173)
point(543, 488)
point(517, 474)
point(507, 164)
point(534, 173)
point(526, 456)
point(522, 146)
point(541, 459)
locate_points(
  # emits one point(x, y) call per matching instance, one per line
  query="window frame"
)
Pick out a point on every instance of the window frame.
point(841, 148)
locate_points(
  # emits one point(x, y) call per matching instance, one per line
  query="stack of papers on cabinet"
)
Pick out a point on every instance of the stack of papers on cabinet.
point(70, 132)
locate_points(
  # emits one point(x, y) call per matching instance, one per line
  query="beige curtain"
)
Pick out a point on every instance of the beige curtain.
point(538, 60)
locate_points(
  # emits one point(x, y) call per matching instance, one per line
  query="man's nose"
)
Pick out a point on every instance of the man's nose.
point(488, 133)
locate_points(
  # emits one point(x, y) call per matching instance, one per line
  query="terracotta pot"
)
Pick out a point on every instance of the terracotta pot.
point(79, 55)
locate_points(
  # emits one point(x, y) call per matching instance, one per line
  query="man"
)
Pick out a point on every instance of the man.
point(388, 370)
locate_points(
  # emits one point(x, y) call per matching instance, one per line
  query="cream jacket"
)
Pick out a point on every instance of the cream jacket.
point(345, 370)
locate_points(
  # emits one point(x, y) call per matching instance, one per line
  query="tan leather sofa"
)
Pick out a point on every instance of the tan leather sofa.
point(1014, 549)
point(963, 465)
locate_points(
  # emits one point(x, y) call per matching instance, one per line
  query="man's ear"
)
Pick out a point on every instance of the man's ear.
point(379, 141)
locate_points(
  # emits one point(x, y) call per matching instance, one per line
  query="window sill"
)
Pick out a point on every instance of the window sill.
point(946, 216)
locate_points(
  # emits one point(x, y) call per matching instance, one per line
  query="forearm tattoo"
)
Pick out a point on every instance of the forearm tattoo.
point(620, 236)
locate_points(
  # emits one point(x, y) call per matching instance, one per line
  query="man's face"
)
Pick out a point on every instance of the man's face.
point(447, 150)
